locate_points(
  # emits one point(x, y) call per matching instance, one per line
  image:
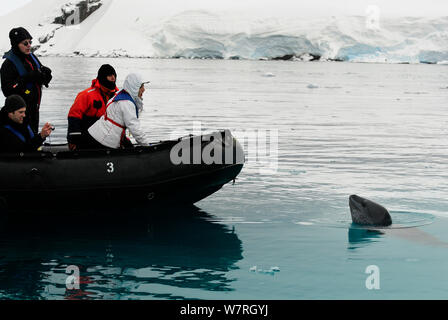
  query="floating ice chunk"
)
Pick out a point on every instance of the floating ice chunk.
point(305, 223)
point(268, 75)
point(312, 86)
point(271, 272)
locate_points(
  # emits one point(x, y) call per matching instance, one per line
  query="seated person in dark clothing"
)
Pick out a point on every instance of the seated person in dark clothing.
point(15, 135)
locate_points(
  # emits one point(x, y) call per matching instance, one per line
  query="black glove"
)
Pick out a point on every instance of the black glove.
point(97, 104)
point(46, 76)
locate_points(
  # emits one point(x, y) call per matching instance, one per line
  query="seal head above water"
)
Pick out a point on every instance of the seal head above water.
point(367, 212)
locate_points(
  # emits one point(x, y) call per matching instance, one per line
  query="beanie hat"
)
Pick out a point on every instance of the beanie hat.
point(17, 35)
point(13, 103)
point(105, 71)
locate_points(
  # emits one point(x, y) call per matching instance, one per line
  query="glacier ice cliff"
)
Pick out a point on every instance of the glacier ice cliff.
point(125, 28)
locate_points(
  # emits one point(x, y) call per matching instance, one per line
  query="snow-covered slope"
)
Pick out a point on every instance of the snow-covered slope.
point(137, 28)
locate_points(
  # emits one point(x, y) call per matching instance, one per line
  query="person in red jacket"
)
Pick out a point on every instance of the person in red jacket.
point(89, 106)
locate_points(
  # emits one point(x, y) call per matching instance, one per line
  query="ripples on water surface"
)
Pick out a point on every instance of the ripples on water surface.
point(375, 130)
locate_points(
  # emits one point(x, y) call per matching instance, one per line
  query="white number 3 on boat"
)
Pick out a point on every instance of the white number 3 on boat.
point(110, 167)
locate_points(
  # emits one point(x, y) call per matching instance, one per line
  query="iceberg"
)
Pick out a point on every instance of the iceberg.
point(135, 28)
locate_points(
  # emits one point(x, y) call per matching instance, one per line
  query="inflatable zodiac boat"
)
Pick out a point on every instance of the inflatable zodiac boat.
point(185, 170)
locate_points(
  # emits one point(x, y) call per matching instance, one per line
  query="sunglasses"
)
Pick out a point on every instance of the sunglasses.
point(26, 43)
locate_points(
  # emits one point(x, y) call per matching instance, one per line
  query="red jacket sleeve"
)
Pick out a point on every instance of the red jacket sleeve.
point(80, 106)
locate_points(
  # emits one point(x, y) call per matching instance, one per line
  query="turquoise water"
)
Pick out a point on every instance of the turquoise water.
point(378, 131)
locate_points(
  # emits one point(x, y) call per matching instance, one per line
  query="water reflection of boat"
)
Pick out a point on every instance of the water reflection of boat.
point(149, 256)
point(185, 170)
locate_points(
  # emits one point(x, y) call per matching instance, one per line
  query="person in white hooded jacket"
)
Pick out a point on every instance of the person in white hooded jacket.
point(122, 113)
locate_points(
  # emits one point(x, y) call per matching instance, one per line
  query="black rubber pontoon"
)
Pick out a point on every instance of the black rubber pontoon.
point(140, 173)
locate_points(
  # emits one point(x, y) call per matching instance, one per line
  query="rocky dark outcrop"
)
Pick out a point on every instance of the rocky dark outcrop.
point(286, 57)
point(73, 14)
point(48, 36)
point(302, 57)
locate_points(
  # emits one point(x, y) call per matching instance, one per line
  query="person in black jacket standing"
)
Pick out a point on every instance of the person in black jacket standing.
point(23, 74)
point(15, 134)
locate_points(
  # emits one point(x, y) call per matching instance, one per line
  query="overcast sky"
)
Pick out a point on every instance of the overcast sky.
point(9, 5)
point(291, 7)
